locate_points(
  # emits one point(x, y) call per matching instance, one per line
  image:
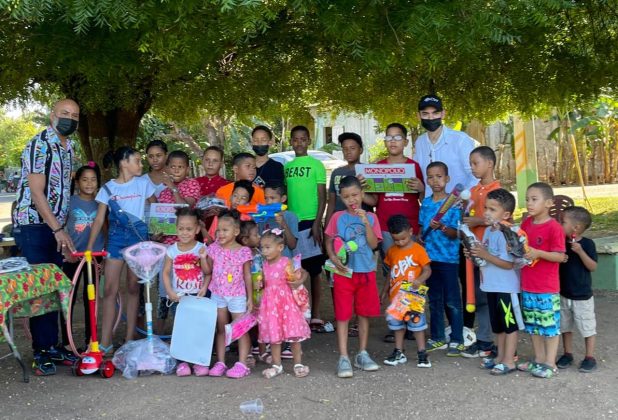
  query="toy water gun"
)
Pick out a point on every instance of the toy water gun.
point(409, 303)
point(343, 249)
point(260, 212)
point(452, 199)
point(517, 243)
point(256, 279)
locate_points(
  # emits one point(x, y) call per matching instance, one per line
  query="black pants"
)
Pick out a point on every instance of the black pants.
point(38, 246)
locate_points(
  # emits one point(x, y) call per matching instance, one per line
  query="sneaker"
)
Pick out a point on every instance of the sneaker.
point(435, 345)
point(362, 361)
point(61, 356)
point(422, 361)
point(239, 370)
point(286, 351)
point(344, 368)
point(218, 369)
point(589, 364)
point(454, 349)
point(565, 361)
point(481, 350)
point(42, 364)
point(396, 358)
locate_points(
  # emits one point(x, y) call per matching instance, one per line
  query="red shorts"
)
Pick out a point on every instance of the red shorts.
point(358, 294)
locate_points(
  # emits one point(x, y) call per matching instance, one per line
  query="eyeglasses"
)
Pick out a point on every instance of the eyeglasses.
point(394, 138)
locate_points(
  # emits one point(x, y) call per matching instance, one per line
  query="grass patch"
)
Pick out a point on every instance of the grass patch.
point(604, 216)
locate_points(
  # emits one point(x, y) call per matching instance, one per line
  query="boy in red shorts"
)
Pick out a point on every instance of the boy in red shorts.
point(358, 293)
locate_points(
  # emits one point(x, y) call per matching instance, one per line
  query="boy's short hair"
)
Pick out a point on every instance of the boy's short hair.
point(579, 215)
point(262, 128)
point(398, 223)
point(240, 157)
point(546, 189)
point(177, 154)
point(216, 149)
point(299, 128)
point(247, 185)
point(504, 197)
point(246, 226)
point(486, 153)
point(349, 181)
point(277, 186)
point(350, 136)
point(437, 164)
point(403, 129)
point(187, 211)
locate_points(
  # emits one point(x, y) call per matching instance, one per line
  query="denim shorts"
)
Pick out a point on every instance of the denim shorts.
point(234, 304)
point(396, 325)
point(120, 237)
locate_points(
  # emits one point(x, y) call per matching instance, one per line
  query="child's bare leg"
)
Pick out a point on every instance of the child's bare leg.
point(510, 347)
point(551, 350)
point(538, 345)
point(501, 341)
point(590, 342)
point(342, 337)
point(133, 291)
point(399, 335)
point(222, 320)
point(276, 352)
point(419, 337)
point(363, 332)
point(297, 353)
point(244, 343)
point(567, 342)
point(112, 279)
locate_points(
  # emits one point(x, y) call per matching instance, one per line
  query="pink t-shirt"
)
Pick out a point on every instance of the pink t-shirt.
point(543, 277)
point(227, 271)
point(408, 205)
point(187, 188)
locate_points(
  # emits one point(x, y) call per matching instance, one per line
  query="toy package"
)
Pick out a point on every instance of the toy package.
point(409, 303)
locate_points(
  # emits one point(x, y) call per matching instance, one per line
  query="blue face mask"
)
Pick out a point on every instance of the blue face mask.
point(65, 126)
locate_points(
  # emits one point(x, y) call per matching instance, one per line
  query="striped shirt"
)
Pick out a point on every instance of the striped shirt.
point(45, 155)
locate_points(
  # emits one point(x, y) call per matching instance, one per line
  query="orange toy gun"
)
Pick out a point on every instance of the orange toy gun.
point(517, 243)
point(260, 212)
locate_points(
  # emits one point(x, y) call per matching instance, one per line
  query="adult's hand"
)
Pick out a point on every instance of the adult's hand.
point(64, 241)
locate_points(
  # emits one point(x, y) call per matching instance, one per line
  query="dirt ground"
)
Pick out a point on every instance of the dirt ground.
point(452, 388)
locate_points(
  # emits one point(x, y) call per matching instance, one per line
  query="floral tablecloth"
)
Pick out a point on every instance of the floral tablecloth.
point(42, 289)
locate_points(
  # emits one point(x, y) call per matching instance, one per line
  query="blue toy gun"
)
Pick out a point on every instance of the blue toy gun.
point(260, 212)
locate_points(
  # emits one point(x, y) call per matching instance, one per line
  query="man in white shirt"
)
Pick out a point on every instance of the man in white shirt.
point(443, 144)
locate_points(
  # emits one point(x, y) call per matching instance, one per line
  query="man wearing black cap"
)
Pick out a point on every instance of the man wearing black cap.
point(443, 144)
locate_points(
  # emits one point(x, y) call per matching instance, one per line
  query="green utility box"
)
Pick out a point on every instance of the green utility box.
point(606, 275)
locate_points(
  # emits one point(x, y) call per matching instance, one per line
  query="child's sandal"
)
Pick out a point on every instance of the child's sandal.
point(266, 357)
point(274, 370)
point(300, 370)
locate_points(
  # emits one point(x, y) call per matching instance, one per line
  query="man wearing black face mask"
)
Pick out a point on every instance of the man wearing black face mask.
point(443, 144)
point(268, 170)
point(43, 196)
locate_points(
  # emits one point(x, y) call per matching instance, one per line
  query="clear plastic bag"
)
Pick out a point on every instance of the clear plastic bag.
point(144, 357)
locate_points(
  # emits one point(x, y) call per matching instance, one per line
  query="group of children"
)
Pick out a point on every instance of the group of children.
point(215, 253)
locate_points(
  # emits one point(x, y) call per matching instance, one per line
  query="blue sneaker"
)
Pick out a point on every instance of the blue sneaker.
point(61, 356)
point(42, 364)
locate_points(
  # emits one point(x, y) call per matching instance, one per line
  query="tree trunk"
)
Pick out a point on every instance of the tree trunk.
point(583, 160)
point(101, 132)
point(593, 163)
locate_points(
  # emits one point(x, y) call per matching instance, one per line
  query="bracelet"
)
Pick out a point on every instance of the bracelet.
point(57, 230)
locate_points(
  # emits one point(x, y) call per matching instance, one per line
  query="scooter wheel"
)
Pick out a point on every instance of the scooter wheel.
point(75, 369)
point(107, 369)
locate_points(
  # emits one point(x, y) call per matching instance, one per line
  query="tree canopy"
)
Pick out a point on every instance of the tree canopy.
point(120, 58)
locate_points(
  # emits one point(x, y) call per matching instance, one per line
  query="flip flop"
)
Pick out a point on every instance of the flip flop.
point(502, 369)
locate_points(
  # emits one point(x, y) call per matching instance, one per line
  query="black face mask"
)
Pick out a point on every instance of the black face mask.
point(431, 125)
point(260, 150)
point(65, 126)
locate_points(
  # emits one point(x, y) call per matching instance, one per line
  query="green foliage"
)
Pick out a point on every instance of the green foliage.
point(378, 151)
point(330, 147)
point(14, 134)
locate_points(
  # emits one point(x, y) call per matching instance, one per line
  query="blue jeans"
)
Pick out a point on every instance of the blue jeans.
point(38, 245)
point(444, 294)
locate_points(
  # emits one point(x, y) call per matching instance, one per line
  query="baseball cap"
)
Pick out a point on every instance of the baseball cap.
point(430, 100)
point(350, 136)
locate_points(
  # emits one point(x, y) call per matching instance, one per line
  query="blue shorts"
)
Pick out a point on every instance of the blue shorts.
point(234, 304)
point(119, 238)
point(396, 325)
point(541, 313)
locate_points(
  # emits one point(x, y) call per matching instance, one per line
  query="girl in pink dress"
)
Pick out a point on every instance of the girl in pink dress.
point(279, 318)
point(230, 284)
